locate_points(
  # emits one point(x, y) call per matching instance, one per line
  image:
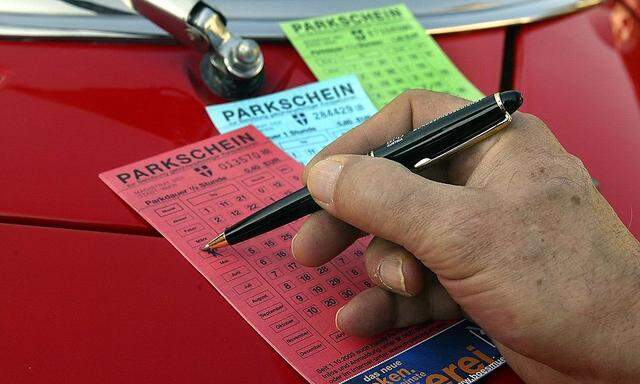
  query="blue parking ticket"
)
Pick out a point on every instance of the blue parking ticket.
point(302, 120)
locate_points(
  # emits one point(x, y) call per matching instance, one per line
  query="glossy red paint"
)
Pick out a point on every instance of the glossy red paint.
point(581, 74)
point(100, 307)
point(90, 307)
point(77, 109)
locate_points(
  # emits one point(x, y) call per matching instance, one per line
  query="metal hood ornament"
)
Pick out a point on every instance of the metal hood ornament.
point(232, 67)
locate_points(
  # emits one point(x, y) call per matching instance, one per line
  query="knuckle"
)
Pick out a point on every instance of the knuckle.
point(564, 177)
point(414, 94)
point(531, 134)
point(557, 189)
point(530, 120)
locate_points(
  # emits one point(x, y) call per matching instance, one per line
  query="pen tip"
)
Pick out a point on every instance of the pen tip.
point(218, 242)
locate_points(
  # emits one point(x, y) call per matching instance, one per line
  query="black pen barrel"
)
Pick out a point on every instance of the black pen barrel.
point(441, 135)
point(433, 140)
point(284, 211)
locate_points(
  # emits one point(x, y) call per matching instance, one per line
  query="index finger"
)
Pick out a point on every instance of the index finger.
point(406, 112)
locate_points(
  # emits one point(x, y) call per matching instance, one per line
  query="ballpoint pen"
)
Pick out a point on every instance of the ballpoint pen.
point(433, 141)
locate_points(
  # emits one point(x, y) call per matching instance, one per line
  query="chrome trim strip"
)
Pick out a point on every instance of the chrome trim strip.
point(440, 17)
point(79, 27)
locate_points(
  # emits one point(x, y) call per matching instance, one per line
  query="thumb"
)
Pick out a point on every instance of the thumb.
point(384, 198)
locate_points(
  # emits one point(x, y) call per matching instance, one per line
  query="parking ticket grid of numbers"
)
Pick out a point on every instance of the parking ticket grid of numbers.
point(389, 53)
point(291, 306)
point(385, 77)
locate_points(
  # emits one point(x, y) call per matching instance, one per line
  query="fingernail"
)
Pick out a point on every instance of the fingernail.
point(390, 274)
point(338, 321)
point(293, 241)
point(322, 180)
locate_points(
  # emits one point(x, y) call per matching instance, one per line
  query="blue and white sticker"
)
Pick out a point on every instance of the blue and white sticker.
point(302, 120)
point(461, 354)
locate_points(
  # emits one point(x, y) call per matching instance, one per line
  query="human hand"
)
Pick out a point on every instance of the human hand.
point(513, 233)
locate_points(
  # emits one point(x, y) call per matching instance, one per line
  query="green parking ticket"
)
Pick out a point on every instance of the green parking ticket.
point(386, 48)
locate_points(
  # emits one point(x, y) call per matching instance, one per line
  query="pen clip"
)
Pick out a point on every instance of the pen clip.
point(479, 137)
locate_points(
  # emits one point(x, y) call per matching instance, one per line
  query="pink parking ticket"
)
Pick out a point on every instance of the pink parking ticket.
point(192, 193)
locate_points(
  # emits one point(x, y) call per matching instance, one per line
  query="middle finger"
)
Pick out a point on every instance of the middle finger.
point(322, 237)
